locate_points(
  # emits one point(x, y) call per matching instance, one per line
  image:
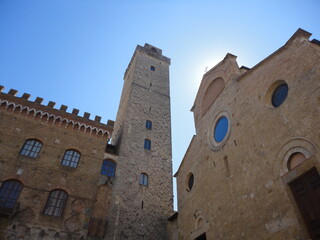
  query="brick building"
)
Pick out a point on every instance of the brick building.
point(61, 177)
point(252, 169)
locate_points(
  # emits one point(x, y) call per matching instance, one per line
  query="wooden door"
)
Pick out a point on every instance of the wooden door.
point(306, 191)
point(202, 237)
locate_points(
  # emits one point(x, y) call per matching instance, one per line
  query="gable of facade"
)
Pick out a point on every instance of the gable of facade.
point(247, 149)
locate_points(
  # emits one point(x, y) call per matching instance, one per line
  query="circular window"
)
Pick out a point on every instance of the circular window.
point(221, 129)
point(279, 95)
point(190, 180)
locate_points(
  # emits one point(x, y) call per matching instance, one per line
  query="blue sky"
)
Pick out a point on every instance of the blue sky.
point(75, 52)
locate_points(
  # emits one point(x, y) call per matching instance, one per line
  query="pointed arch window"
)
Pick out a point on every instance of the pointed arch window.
point(108, 168)
point(71, 158)
point(31, 148)
point(56, 203)
point(144, 179)
point(9, 193)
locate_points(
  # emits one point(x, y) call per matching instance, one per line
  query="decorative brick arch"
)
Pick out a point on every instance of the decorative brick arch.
point(201, 224)
point(294, 145)
point(211, 94)
point(52, 119)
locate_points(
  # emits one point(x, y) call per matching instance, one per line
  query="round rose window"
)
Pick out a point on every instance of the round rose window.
point(221, 129)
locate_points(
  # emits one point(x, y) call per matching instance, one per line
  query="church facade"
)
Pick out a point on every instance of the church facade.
point(64, 176)
point(252, 169)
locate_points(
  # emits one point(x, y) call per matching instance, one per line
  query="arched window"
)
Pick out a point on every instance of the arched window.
point(144, 179)
point(108, 168)
point(147, 144)
point(71, 158)
point(31, 148)
point(9, 193)
point(56, 203)
point(148, 124)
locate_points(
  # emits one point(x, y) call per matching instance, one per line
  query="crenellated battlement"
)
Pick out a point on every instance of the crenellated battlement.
point(58, 117)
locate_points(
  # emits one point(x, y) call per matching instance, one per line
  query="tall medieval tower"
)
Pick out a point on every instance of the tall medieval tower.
point(142, 197)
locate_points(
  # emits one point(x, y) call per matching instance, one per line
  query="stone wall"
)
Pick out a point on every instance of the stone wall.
point(138, 211)
point(58, 131)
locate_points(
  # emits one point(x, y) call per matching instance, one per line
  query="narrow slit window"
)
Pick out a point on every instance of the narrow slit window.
point(144, 179)
point(148, 125)
point(147, 144)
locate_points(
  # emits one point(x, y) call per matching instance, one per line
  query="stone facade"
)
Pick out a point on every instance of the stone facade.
point(242, 186)
point(145, 97)
point(58, 131)
point(95, 202)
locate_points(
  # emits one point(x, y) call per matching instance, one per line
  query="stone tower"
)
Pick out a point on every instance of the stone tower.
point(142, 190)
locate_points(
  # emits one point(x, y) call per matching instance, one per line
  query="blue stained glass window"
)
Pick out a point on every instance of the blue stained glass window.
point(147, 144)
point(279, 95)
point(9, 193)
point(221, 129)
point(108, 168)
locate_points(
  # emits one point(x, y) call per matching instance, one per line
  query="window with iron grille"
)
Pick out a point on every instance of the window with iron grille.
point(9, 193)
point(148, 124)
point(190, 182)
point(71, 158)
point(144, 179)
point(31, 148)
point(56, 203)
point(280, 94)
point(147, 144)
point(108, 168)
